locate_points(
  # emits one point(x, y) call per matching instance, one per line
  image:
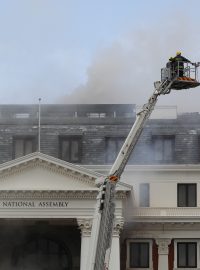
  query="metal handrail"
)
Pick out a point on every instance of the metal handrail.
point(188, 71)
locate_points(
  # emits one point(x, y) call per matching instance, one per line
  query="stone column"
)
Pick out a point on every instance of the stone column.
point(163, 251)
point(85, 226)
point(114, 263)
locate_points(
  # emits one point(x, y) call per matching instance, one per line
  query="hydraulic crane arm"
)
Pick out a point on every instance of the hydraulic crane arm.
point(134, 134)
point(104, 214)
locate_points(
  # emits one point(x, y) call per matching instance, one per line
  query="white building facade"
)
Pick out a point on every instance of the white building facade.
point(47, 202)
point(162, 230)
point(47, 207)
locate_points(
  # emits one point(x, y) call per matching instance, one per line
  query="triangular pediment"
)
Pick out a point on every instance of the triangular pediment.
point(41, 172)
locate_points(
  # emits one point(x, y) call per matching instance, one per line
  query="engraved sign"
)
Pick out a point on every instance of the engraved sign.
point(33, 204)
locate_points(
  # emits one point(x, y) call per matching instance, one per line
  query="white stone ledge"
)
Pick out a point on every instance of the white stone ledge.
point(149, 212)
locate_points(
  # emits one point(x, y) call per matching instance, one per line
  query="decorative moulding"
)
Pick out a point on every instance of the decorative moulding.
point(56, 165)
point(4, 173)
point(85, 226)
point(54, 194)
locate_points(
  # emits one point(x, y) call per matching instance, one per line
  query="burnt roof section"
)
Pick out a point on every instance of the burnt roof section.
point(60, 113)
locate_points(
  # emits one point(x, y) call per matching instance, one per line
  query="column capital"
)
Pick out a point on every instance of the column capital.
point(85, 226)
point(163, 244)
point(118, 226)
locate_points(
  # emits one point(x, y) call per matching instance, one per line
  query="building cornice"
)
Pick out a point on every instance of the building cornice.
point(49, 160)
point(39, 160)
point(149, 168)
point(47, 194)
point(39, 163)
point(52, 194)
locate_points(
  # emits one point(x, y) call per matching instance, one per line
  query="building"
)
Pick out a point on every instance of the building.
point(47, 198)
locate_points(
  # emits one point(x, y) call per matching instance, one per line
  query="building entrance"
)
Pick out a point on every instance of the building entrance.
point(42, 253)
point(39, 245)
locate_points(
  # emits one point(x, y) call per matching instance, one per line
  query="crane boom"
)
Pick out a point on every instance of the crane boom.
point(132, 138)
point(104, 213)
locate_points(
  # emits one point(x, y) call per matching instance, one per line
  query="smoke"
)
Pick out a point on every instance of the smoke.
point(125, 72)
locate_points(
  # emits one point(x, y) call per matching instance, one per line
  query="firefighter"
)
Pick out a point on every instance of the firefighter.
point(178, 64)
point(169, 63)
point(171, 66)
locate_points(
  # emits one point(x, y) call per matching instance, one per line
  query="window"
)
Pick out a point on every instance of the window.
point(164, 148)
point(70, 148)
point(139, 255)
point(96, 115)
point(187, 255)
point(113, 146)
point(22, 115)
point(144, 195)
point(23, 146)
point(187, 195)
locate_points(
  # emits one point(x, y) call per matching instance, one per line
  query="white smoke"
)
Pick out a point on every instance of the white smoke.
point(125, 72)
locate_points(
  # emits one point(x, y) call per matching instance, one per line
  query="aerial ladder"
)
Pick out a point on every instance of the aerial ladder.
point(102, 227)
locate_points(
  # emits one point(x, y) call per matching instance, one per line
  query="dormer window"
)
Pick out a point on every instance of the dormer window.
point(163, 147)
point(23, 145)
point(70, 148)
point(113, 146)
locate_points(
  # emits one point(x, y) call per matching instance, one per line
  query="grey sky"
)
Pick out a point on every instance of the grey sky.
point(93, 51)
